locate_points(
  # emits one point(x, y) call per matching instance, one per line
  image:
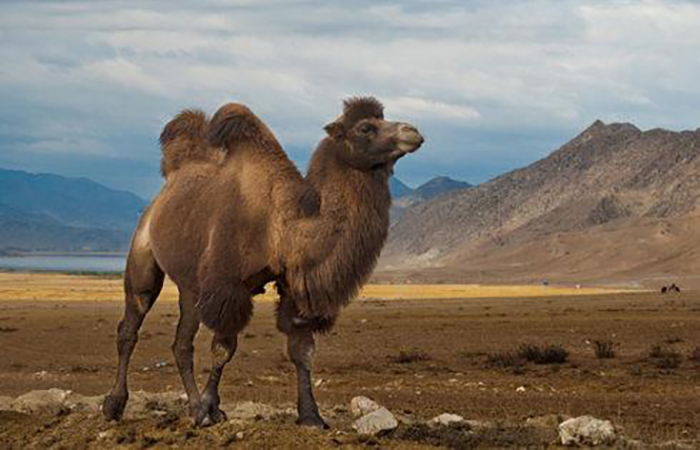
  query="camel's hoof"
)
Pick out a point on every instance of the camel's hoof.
point(312, 420)
point(208, 416)
point(113, 407)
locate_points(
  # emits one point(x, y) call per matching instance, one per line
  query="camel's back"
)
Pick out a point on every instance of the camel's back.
point(235, 204)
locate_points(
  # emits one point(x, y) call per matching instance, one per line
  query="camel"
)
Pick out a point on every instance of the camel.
point(234, 214)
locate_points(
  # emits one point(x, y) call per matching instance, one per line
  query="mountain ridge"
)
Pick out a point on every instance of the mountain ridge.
point(608, 174)
point(49, 212)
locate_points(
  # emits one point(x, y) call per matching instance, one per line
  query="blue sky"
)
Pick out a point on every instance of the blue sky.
point(86, 86)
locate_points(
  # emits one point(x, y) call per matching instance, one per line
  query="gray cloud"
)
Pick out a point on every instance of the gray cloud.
point(493, 84)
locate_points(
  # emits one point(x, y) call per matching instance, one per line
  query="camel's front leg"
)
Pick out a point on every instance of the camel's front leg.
point(300, 348)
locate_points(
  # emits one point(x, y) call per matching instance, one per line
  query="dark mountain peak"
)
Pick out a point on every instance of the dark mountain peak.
point(398, 188)
point(438, 186)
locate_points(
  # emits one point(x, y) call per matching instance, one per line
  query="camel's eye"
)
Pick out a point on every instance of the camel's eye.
point(367, 128)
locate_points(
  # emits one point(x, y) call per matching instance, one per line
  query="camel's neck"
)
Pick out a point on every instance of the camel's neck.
point(349, 232)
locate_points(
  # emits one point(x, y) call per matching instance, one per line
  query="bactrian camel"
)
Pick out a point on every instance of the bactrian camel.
point(234, 214)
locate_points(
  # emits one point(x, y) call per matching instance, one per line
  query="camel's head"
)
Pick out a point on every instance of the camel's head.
point(368, 141)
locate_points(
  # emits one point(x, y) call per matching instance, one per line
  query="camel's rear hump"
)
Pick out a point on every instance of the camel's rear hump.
point(183, 140)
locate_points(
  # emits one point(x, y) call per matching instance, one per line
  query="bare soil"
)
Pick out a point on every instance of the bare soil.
point(419, 358)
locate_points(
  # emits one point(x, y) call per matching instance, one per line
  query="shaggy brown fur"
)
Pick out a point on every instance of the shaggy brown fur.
point(182, 141)
point(235, 214)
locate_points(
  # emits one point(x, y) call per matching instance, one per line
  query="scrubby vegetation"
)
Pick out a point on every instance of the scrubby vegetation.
point(664, 357)
point(546, 354)
point(409, 357)
point(604, 349)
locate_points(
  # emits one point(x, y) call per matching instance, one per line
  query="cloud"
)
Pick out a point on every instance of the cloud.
point(493, 84)
point(429, 109)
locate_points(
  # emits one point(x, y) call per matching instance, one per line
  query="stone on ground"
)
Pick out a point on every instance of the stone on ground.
point(376, 422)
point(51, 401)
point(587, 430)
point(445, 420)
point(360, 406)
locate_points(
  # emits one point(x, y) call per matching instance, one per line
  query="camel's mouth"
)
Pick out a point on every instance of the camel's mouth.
point(409, 139)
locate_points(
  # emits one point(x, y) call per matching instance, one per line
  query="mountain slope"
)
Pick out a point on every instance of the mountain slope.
point(52, 213)
point(544, 216)
point(23, 231)
point(75, 202)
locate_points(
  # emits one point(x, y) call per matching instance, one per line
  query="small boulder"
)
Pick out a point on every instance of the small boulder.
point(360, 406)
point(51, 401)
point(376, 422)
point(445, 420)
point(587, 430)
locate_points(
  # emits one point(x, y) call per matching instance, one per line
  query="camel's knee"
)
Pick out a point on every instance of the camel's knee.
point(223, 348)
point(300, 348)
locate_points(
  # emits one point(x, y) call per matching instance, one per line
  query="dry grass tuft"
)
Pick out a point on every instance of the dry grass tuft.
point(547, 354)
point(604, 349)
point(410, 357)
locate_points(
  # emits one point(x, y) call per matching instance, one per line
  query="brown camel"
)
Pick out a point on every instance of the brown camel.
point(235, 213)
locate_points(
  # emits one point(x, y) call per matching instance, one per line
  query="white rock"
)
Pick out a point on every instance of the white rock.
point(105, 434)
point(520, 389)
point(360, 406)
point(445, 420)
point(587, 430)
point(50, 401)
point(376, 422)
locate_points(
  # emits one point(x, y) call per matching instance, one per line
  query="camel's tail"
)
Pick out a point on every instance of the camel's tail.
point(183, 140)
point(235, 124)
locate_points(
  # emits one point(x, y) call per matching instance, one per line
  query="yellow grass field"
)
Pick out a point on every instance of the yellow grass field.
point(22, 286)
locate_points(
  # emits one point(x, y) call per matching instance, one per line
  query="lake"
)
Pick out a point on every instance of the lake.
point(64, 263)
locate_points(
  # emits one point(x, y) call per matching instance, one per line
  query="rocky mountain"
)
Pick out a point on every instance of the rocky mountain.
point(54, 213)
point(404, 197)
point(614, 201)
point(429, 190)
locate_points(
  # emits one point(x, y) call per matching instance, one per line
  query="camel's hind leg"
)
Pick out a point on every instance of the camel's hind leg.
point(183, 347)
point(234, 314)
point(143, 282)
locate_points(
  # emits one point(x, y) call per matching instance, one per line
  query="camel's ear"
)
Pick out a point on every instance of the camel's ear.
point(335, 130)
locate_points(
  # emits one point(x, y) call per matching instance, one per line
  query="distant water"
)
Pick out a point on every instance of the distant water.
point(88, 263)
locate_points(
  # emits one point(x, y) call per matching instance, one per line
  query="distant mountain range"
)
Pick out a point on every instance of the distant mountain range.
point(404, 197)
point(614, 203)
point(45, 212)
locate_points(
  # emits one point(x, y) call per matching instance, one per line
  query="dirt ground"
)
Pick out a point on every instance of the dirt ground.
point(417, 357)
